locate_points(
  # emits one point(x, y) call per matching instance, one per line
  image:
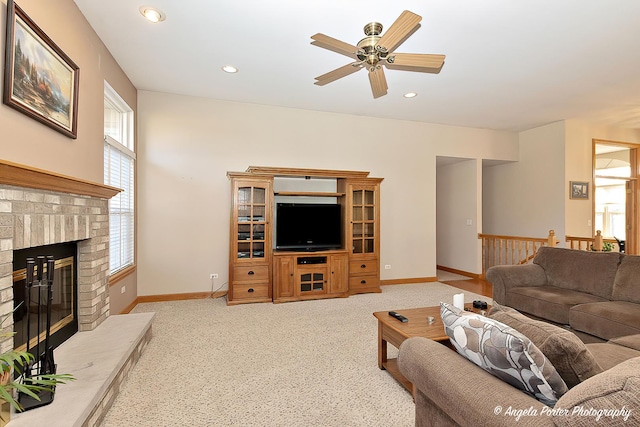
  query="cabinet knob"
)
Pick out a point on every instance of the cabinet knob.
point(362, 282)
point(250, 273)
point(363, 266)
point(250, 290)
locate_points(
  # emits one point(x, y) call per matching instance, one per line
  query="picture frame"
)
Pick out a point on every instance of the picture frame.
point(579, 190)
point(40, 80)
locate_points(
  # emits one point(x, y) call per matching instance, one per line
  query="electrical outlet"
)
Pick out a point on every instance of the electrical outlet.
point(213, 276)
point(387, 266)
point(123, 289)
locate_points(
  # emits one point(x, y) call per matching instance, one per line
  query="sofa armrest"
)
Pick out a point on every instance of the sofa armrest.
point(466, 393)
point(503, 277)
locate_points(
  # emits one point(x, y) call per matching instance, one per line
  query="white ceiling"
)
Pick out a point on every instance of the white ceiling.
point(509, 65)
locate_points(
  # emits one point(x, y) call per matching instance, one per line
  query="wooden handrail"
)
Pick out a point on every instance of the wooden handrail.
point(595, 243)
point(511, 250)
point(516, 250)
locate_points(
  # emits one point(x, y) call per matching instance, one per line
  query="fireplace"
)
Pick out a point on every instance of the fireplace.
point(40, 208)
point(64, 300)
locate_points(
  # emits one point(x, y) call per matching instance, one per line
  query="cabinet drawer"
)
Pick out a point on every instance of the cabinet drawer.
point(250, 291)
point(366, 266)
point(362, 282)
point(250, 273)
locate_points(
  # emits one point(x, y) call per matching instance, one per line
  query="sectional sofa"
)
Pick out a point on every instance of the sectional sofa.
point(580, 309)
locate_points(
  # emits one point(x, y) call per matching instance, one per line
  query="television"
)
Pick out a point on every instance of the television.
point(308, 226)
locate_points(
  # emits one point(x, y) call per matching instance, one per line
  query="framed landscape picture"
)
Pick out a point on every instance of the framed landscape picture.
point(40, 80)
point(579, 190)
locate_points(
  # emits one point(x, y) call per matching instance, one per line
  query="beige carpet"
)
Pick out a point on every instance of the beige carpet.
point(307, 363)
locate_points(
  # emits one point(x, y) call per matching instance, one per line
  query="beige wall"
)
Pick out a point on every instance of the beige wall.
point(579, 152)
point(527, 198)
point(188, 144)
point(26, 141)
point(531, 196)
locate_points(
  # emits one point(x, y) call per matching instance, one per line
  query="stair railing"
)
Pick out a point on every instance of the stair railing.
point(596, 243)
point(511, 250)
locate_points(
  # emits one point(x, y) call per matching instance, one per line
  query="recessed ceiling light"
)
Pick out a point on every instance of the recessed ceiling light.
point(229, 69)
point(152, 14)
point(410, 95)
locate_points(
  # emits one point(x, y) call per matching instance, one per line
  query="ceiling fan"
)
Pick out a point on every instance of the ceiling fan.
point(374, 51)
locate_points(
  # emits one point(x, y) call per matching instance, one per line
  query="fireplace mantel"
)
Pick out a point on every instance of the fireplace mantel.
point(30, 177)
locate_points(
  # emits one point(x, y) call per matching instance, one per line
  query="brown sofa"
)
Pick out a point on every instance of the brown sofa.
point(452, 391)
point(597, 293)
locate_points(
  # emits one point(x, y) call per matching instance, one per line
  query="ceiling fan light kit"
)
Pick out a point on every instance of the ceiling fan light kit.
point(376, 50)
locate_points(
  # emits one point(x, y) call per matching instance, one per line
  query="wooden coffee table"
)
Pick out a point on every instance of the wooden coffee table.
point(394, 332)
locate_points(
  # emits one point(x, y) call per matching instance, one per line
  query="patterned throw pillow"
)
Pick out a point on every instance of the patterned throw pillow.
point(503, 352)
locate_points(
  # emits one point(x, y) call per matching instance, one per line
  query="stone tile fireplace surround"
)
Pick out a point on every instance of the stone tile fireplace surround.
point(42, 208)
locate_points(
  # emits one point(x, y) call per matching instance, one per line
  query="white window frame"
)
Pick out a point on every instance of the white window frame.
point(122, 254)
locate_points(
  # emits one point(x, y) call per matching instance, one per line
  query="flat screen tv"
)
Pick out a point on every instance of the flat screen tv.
point(308, 226)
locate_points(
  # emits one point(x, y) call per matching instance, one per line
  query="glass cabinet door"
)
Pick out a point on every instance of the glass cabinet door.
point(252, 221)
point(363, 221)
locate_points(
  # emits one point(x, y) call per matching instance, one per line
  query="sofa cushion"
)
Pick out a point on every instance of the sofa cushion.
point(548, 302)
point(626, 286)
point(503, 352)
point(585, 271)
point(616, 390)
point(630, 341)
point(606, 320)
point(565, 351)
point(609, 355)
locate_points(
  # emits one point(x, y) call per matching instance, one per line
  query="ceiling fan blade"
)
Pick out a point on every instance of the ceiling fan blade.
point(425, 63)
point(378, 82)
point(334, 45)
point(336, 74)
point(406, 24)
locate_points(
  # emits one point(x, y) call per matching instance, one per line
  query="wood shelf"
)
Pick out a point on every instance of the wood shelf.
point(27, 176)
point(308, 194)
point(319, 173)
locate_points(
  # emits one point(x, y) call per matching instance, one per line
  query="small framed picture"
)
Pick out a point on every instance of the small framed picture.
point(579, 190)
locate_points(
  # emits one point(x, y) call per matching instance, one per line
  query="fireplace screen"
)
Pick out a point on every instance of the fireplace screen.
point(63, 304)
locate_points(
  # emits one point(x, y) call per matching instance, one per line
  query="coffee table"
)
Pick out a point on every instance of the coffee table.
point(392, 331)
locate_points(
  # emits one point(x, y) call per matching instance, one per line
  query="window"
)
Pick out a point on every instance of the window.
point(119, 171)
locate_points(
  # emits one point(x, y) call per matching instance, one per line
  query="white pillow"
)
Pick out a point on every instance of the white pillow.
point(503, 352)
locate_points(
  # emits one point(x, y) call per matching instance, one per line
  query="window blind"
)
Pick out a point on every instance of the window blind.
point(119, 172)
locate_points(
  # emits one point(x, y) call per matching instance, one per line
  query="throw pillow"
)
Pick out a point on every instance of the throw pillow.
point(503, 352)
point(566, 352)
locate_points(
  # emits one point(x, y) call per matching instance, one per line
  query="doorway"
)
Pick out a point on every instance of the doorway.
point(615, 213)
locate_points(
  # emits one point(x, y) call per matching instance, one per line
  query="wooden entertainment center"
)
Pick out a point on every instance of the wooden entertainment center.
point(258, 273)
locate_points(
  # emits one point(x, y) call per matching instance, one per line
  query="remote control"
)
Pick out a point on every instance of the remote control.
point(400, 317)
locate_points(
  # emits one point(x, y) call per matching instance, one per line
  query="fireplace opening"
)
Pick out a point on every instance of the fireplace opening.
point(64, 303)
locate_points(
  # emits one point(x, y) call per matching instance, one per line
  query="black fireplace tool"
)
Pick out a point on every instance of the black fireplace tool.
point(43, 362)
